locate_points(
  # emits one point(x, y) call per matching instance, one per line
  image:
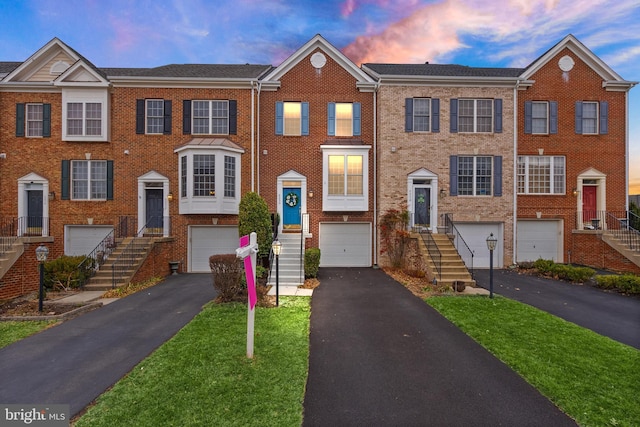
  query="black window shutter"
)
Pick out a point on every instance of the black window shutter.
point(167, 117)
point(65, 180)
point(453, 116)
point(497, 176)
point(604, 117)
point(139, 116)
point(233, 117)
point(579, 117)
point(186, 117)
point(553, 117)
point(528, 117)
point(435, 115)
point(109, 179)
point(19, 119)
point(453, 175)
point(46, 120)
point(408, 115)
point(497, 115)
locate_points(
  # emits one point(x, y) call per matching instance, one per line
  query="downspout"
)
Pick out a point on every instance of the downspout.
point(258, 139)
point(253, 137)
point(626, 143)
point(375, 175)
point(515, 172)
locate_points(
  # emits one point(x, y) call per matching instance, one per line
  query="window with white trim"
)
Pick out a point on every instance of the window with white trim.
point(34, 119)
point(345, 178)
point(475, 115)
point(292, 118)
point(155, 116)
point(210, 117)
point(85, 114)
point(589, 118)
point(183, 176)
point(475, 175)
point(344, 119)
point(539, 117)
point(345, 175)
point(421, 114)
point(541, 175)
point(89, 179)
point(204, 175)
point(229, 176)
point(84, 118)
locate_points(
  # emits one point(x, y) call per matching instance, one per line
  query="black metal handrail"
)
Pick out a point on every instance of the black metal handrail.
point(622, 231)
point(8, 234)
point(97, 257)
point(461, 246)
point(434, 252)
point(131, 252)
point(600, 220)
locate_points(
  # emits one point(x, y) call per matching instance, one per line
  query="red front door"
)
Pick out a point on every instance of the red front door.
point(589, 204)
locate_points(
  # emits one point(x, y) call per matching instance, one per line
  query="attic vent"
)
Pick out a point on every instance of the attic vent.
point(318, 60)
point(59, 67)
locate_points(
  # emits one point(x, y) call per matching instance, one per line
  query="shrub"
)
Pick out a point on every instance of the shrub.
point(563, 271)
point(253, 215)
point(66, 272)
point(543, 265)
point(311, 262)
point(628, 283)
point(227, 270)
point(394, 235)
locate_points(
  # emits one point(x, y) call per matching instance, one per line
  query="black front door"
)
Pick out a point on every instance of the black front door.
point(154, 208)
point(34, 211)
point(422, 208)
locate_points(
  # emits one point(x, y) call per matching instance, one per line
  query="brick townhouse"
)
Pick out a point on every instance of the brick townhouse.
point(90, 156)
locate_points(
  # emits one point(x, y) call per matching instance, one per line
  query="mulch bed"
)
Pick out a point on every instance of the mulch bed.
point(27, 306)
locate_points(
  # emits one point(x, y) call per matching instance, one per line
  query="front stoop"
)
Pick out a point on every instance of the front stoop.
point(452, 266)
point(291, 261)
point(620, 246)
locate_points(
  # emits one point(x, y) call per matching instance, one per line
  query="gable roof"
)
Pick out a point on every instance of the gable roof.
point(230, 71)
point(363, 81)
point(611, 80)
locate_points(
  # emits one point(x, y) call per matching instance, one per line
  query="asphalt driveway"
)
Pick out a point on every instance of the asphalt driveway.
point(379, 356)
point(608, 313)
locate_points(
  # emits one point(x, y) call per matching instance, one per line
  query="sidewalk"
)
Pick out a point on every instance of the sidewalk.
point(379, 356)
point(76, 361)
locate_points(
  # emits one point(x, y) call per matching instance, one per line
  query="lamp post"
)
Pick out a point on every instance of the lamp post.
point(41, 255)
point(277, 248)
point(491, 244)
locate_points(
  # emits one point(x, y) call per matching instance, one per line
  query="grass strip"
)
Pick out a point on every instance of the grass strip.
point(12, 331)
point(203, 377)
point(593, 379)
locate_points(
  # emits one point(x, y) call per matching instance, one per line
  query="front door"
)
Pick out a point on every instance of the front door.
point(422, 207)
point(154, 210)
point(291, 211)
point(589, 203)
point(34, 212)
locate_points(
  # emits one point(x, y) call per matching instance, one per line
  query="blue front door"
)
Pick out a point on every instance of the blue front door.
point(291, 199)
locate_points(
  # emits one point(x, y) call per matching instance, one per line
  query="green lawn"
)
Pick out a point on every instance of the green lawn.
point(593, 379)
point(15, 331)
point(202, 376)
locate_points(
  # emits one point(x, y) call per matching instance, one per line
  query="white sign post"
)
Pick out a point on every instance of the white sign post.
point(248, 251)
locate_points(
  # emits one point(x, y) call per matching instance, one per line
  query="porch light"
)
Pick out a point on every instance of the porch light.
point(41, 255)
point(170, 197)
point(52, 195)
point(575, 192)
point(442, 194)
point(491, 244)
point(276, 246)
point(310, 194)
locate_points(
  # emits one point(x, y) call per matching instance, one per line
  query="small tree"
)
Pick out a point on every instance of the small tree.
point(394, 236)
point(253, 216)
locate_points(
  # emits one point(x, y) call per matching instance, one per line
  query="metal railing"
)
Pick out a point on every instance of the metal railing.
point(8, 234)
point(461, 246)
point(434, 252)
point(599, 220)
point(305, 220)
point(33, 226)
point(623, 231)
point(97, 257)
point(131, 253)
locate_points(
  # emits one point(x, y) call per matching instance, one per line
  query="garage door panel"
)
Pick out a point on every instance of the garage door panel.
point(475, 235)
point(345, 245)
point(82, 239)
point(210, 240)
point(538, 239)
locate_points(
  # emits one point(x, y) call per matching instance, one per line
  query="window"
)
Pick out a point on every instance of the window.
point(204, 175)
point(343, 119)
point(155, 116)
point(229, 176)
point(541, 175)
point(34, 119)
point(210, 117)
point(183, 176)
point(88, 179)
point(84, 119)
point(292, 118)
point(474, 175)
point(592, 117)
point(539, 117)
point(475, 115)
point(421, 114)
point(345, 174)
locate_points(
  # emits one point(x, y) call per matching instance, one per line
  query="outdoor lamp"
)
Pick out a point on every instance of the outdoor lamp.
point(41, 255)
point(276, 246)
point(491, 244)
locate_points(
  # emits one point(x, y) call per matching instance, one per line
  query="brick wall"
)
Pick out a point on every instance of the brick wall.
point(587, 248)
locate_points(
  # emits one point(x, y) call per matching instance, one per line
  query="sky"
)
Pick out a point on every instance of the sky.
point(487, 33)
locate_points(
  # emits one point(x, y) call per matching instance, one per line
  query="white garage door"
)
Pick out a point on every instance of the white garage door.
point(205, 241)
point(538, 239)
point(344, 244)
point(475, 234)
point(82, 239)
